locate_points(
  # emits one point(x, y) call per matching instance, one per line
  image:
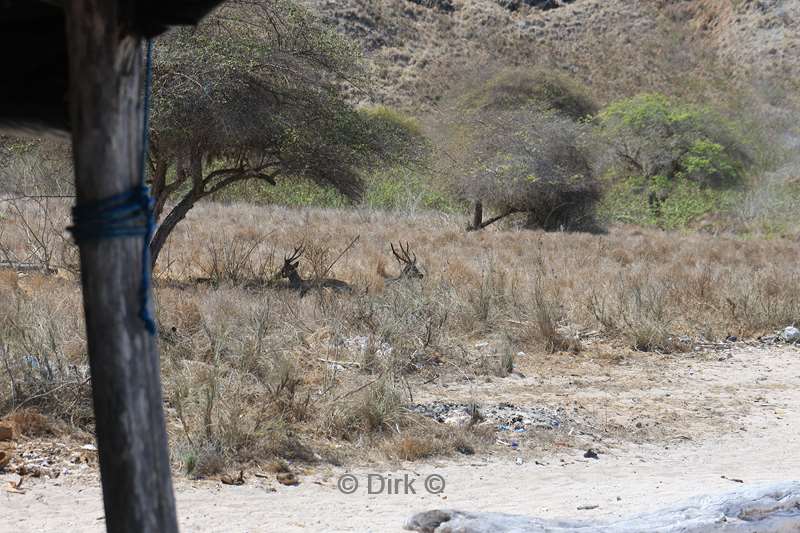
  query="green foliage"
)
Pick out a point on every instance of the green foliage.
point(684, 202)
point(260, 92)
point(291, 192)
point(652, 135)
point(404, 189)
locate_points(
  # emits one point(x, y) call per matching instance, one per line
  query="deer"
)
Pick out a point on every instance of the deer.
point(408, 265)
point(290, 272)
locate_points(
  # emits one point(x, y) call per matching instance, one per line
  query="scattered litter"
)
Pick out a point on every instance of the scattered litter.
point(503, 416)
point(587, 507)
point(90, 447)
point(361, 345)
point(519, 460)
point(591, 454)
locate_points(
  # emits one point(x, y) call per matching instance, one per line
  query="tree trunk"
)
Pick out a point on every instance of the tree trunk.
point(105, 72)
point(477, 217)
point(158, 189)
point(177, 214)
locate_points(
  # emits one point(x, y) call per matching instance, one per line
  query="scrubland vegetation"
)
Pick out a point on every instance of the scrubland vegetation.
point(646, 210)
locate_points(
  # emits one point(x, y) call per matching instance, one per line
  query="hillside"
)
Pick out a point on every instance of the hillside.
point(424, 48)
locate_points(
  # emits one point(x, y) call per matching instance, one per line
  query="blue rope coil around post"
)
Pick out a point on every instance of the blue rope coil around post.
point(129, 214)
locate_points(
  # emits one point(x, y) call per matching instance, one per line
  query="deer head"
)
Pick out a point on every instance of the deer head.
point(407, 261)
point(290, 263)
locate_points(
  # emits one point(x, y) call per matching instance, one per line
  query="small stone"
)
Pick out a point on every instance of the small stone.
point(287, 478)
point(231, 480)
point(591, 454)
point(790, 334)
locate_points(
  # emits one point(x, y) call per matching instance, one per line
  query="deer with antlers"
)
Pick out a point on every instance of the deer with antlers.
point(290, 272)
point(407, 262)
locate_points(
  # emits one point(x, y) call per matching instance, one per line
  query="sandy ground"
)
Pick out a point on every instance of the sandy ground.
point(719, 417)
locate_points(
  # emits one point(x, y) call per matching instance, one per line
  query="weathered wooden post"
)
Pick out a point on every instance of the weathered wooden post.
point(96, 67)
point(105, 99)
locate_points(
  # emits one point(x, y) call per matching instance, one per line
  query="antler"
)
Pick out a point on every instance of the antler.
point(298, 251)
point(404, 256)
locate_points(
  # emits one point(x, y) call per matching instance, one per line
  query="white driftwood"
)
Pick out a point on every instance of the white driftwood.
point(766, 509)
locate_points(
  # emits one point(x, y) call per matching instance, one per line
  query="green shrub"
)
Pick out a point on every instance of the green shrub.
point(296, 192)
point(671, 163)
point(651, 135)
point(405, 189)
point(629, 201)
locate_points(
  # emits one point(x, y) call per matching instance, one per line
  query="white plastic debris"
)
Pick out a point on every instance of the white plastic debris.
point(790, 334)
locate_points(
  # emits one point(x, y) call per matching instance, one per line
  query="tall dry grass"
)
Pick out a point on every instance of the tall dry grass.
point(251, 370)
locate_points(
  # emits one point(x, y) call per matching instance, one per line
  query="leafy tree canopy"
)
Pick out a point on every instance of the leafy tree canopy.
point(660, 139)
point(264, 88)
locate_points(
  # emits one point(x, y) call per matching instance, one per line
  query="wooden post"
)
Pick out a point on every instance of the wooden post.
point(106, 72)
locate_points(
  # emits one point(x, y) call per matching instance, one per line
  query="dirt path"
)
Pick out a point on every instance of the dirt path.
point(723, 417)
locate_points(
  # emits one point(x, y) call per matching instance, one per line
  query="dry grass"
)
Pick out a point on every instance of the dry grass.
point(252, 372)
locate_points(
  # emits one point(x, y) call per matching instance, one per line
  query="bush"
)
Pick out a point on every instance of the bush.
point(651, 135)
point(629, 201)
point(670, 163)
point(522, 88)
point(540, 164)
point(518, 144)
point(294, 192)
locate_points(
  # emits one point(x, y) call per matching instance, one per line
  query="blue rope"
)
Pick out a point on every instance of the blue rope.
point(129, 214)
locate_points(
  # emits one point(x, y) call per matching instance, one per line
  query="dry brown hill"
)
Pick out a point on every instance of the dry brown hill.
point(424, 48)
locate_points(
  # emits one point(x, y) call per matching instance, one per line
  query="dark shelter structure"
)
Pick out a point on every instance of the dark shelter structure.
point(35, 75)
point(77, 67)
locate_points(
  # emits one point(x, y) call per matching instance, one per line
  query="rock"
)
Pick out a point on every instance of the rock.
point(8, 430)
point(790, 334)
point(465, 449)
point(230, 480)
point(287, 478)
point(591, 454)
